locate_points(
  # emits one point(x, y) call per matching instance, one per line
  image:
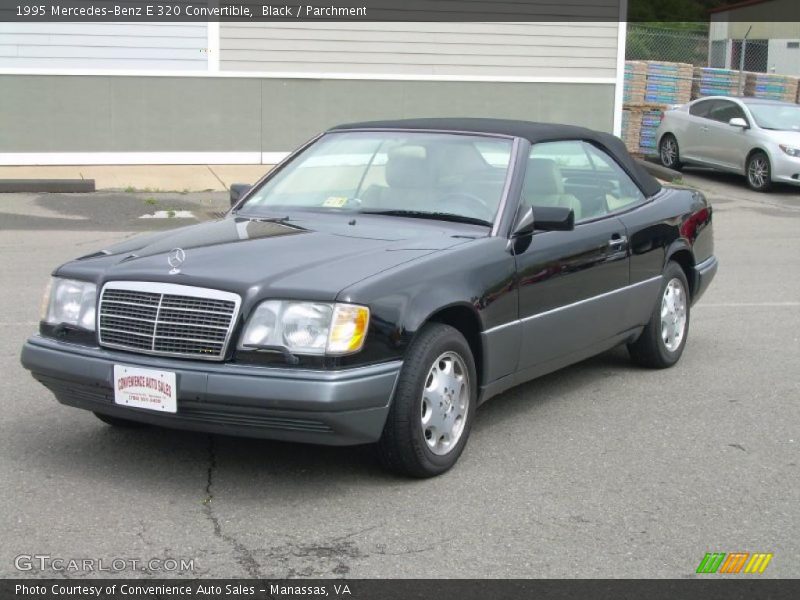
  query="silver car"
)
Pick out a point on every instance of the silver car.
point(750, 136)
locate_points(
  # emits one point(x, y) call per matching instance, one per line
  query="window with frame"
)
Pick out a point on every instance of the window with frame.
point(700, 109)
point(723, 111)
point(577, 175)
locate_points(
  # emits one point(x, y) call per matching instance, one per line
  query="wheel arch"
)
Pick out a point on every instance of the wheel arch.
point(681, 252)
point(667, 132)
point(663, 135)
point(463, 317)
point(750, 153)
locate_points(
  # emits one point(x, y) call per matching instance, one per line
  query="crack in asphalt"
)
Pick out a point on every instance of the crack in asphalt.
point(337, 552)
point(242, 554)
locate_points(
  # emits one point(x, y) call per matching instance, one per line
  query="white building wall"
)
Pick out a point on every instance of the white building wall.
point(718, 28)
point(783, 59)
point(117, 46)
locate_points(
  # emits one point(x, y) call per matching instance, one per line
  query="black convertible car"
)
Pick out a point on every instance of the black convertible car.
point(381, 283)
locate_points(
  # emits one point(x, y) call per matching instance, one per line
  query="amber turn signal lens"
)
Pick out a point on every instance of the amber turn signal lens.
point(348, 329)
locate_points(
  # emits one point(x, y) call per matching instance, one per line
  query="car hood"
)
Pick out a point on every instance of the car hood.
point(258, 257)
point(789, 138)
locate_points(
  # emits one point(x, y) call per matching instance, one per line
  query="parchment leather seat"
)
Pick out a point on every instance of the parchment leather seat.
point(544, 186)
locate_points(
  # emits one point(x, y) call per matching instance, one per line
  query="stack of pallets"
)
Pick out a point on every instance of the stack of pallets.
point(668, 82)
point(715, 82)
point(773, 87)
point(635, 82)
point(651, 86)
point(651, 119)
point(631, 128)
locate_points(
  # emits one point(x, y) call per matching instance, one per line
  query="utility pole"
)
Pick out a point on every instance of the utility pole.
point(742, 52)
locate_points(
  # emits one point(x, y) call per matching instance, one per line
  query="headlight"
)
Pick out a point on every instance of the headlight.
point(70, 302)
point(790, 150)
point(306, 327)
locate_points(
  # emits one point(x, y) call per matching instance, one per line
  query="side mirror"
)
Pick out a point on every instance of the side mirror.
point(525, 225)
point(545, 218)
point(238, 190)
point(738, 122)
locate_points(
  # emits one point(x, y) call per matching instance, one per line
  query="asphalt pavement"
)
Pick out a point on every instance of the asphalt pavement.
point(599, 470)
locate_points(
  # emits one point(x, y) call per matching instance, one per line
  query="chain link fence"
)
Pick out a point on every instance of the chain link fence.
point(693, 46)
point(671, 45)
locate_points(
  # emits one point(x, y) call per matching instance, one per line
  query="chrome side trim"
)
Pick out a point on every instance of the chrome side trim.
point(155, 287)
point(578, 303)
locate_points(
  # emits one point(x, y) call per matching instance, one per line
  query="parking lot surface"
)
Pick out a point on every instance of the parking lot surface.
point(600, 470)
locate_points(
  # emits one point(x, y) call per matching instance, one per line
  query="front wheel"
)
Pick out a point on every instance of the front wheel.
point(433, 406)
point(664, 337)
point(759, 172)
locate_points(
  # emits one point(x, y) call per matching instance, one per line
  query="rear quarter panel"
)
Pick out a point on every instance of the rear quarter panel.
point(676, 219)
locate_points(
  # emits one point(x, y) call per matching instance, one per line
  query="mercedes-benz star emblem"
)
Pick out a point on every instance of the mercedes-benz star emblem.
point(175, 259)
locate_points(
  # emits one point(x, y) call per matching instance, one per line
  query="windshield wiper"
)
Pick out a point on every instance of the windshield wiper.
point(421, 214)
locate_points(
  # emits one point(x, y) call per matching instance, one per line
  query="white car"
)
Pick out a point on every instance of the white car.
point(750, 136)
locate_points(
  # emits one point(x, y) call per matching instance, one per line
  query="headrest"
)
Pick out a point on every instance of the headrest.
point(543, 178)
point(409, 167)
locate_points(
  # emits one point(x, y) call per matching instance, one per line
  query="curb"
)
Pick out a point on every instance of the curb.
point(659, 171)
point(64, 186)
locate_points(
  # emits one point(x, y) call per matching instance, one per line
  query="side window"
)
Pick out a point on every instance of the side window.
point(577, 175)
point(700, 109)
point(549, 166)
point(619, 189)
point(723, 111)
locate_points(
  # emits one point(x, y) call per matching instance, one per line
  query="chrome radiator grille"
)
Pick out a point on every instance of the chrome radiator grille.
point(166, 319)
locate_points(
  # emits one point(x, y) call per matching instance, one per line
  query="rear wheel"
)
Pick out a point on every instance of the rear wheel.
point(118, 422)
point(433, 405)
point(664, 337)
point(759, 172)
point(669, 153)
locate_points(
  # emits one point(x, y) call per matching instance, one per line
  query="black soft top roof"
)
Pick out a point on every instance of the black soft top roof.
point(533, 132)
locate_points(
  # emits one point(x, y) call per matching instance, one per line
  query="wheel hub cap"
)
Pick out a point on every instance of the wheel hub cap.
point(758, 172)
point(445, 401)
point(673, 314)
point(668, 152)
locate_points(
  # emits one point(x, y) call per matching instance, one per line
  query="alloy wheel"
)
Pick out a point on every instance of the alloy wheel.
point(758, 172)
point(669, 151)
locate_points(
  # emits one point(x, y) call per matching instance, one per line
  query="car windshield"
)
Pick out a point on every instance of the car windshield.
point(776, 116)
point(443, 176)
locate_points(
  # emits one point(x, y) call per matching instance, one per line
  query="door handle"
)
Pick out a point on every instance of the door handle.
point(617, 241)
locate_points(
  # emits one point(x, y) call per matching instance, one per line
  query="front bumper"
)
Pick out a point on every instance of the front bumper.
point(703, 274)
point(324, 407)
point(785, 168)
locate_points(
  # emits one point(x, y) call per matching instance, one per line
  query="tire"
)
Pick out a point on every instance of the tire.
point(758, 171)
point(411, 443)
point(669, 153)
point(118, 422)
point(652, 349)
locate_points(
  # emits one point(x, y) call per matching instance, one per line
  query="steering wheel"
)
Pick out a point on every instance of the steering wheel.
point(475, 204)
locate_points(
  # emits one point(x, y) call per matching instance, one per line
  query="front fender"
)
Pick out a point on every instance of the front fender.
point(478, 275)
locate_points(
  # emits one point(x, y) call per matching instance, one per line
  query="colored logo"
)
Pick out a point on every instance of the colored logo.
point(735, 562)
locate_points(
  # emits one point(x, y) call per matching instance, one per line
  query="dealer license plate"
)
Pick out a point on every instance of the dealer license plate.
point(145, 388)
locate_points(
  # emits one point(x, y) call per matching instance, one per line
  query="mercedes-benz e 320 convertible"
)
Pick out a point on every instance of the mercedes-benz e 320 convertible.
point(379, 285)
